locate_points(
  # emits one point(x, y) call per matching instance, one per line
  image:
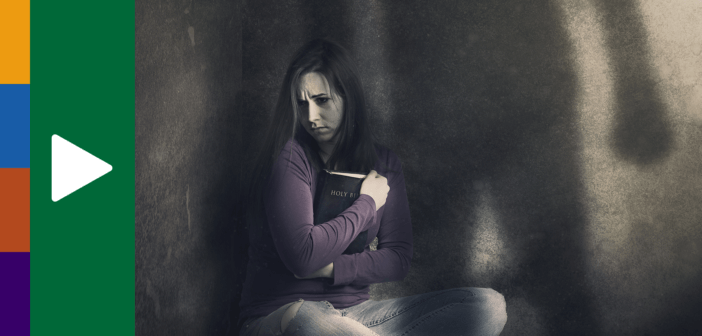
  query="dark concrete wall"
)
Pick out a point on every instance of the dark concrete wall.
point(551, 152)
point(188, 130)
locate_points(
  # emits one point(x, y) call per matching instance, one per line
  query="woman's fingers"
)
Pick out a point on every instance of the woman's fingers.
point(372, 174)
point(376, 186)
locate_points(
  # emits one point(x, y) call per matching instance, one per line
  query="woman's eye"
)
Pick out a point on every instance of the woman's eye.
point(322, 100)
point(302, 103)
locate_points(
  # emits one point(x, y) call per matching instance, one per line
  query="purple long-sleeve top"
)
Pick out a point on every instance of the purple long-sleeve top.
point(284, 242)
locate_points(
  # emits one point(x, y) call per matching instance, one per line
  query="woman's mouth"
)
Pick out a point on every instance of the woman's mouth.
point(321, 131)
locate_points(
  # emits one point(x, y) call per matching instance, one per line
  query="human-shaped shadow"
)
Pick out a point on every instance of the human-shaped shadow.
point(485, 104)
point(642, 134)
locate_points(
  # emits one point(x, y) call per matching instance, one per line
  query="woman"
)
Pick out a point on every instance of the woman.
point(298, 281)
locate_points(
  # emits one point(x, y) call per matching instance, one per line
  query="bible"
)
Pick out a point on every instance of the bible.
point(336, 191)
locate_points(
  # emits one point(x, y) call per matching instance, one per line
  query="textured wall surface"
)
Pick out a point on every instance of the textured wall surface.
point(552, 151)
point(188, 73)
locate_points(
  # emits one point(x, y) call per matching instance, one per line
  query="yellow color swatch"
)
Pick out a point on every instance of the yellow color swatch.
point(14, 30)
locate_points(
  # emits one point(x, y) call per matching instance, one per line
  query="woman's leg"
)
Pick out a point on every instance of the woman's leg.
point(459, 311)
point(305, 318)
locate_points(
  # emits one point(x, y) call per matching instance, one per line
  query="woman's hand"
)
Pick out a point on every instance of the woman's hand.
point(376, 186)
point(324, 272)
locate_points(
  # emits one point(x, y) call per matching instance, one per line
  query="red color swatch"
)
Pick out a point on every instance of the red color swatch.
point(14, 210)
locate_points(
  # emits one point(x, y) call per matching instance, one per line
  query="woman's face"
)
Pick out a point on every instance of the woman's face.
point(321, 109)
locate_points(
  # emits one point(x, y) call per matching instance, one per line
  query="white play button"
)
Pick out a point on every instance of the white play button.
point(72, 168)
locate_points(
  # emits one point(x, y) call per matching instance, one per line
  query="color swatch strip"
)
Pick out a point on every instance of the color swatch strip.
point(14, 210)
point(14, 126)
point(14, 291)
point(14, 170)
point(14, 58)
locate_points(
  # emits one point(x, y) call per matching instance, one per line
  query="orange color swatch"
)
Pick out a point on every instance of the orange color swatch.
point(14, 209)
point(14, 29)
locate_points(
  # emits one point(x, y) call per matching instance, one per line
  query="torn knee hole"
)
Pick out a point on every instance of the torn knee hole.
point(289, 315)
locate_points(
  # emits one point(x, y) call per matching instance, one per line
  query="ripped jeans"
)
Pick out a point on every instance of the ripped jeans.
point(458, 311)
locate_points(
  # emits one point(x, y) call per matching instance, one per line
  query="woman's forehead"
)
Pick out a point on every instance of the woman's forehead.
point(313, 84)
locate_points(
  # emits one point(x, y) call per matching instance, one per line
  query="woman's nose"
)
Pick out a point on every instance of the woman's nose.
point(313, 112)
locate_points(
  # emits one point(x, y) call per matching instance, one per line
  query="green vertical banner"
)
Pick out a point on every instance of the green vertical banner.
point(82, 101)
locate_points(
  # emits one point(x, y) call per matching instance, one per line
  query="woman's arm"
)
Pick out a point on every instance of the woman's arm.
point(304, 247)
point(391, 261)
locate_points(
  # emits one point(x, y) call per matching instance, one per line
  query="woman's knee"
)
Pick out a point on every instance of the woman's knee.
point(494, 304)
point(289, 314)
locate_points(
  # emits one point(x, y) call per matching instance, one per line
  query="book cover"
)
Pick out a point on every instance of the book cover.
point(336, 191)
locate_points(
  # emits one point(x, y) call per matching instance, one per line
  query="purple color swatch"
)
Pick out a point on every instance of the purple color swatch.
point(14, 293)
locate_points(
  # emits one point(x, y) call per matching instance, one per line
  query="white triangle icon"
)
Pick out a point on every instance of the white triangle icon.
point(72, 168)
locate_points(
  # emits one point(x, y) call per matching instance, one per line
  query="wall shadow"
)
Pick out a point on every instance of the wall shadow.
point(485, 96)
point(642, 134)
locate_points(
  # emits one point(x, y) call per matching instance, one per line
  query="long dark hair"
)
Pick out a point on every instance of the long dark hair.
point(355, 147)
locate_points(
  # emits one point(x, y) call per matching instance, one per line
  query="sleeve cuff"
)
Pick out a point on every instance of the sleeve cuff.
point(344, 270)
point(369, 200)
